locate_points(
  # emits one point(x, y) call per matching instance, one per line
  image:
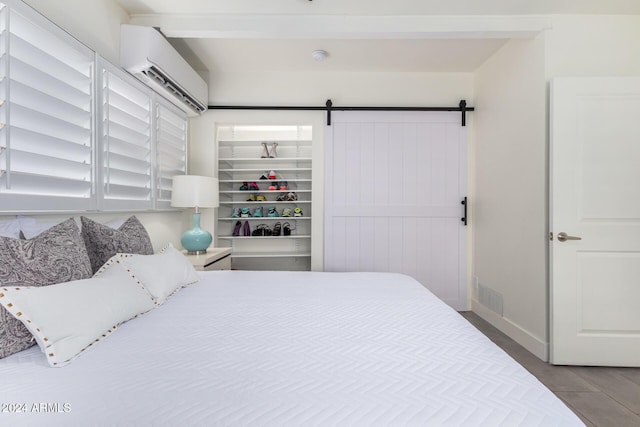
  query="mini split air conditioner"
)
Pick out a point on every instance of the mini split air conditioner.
point(146, 54)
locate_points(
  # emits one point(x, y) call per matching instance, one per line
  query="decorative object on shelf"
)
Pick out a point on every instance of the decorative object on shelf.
point(197, 192)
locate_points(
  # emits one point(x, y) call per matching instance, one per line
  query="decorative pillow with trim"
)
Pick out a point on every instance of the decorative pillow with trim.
point(68, 318)
point(103, 242)
point(162, 274)
point(55, 256)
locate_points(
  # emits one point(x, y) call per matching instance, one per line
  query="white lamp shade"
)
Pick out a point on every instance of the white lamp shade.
point(194, 191)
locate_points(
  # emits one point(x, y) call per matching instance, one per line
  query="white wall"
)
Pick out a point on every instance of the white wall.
point(308, 89)
point(96, 23)
point(593, 46)
point(509, 180)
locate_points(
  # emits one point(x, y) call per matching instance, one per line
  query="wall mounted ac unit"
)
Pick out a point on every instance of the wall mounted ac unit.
point(146, 54)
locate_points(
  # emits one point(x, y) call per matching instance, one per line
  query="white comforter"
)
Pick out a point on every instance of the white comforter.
point(247, 348)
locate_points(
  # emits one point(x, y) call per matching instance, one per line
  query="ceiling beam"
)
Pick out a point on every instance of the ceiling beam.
point(346, 27)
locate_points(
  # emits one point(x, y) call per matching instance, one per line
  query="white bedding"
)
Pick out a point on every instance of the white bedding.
point(245, 348)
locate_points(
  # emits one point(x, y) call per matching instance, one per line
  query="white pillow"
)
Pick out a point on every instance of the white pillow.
point(10, 228)
point(162, 274)
point(68, 318)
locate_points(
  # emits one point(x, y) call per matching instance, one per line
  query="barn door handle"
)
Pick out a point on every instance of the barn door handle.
point(563, 237)
point(464, 215)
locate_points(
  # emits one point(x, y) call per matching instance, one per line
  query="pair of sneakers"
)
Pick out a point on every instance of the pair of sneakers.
point(282, 186)
point(287, 197)
point(246, 212)
point(249, 186)
point(256, 198)
point(287, 212)
point(269, 152)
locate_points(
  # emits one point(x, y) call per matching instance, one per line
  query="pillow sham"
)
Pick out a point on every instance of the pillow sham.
point(68, 318)
point(31, 227)
point(103, 242)
point(10, 228)
point(162, 274)
point(55, 256)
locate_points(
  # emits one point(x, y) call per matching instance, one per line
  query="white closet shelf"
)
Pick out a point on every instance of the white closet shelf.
point(268, 202)
point(268, 218)
point(263, 169)
point(263, 192)
point(270, 254)
point(293, 236)
point(264, 159)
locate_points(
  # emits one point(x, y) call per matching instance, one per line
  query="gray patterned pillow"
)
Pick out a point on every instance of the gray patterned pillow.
point(55, 256)
point(103, 242)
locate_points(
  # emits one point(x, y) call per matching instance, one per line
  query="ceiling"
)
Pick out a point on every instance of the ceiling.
point(359, 35)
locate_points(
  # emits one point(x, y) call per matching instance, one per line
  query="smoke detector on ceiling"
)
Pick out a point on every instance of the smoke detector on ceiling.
point(319, 55)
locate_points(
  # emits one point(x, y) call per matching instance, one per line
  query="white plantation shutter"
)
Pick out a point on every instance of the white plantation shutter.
point(126, 141)
point(46, 135)
point(171, 149)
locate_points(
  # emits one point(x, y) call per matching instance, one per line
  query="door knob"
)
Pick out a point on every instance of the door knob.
point(563, 237)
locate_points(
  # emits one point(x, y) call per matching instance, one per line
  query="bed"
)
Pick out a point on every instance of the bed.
point(248, 348)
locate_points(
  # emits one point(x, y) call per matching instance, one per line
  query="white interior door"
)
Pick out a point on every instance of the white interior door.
point(394, 183)
point(595, 195)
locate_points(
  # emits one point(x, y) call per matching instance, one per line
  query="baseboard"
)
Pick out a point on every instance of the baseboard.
point(537, 347)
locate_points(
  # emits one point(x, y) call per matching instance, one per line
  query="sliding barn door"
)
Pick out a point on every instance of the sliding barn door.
point(393, 191)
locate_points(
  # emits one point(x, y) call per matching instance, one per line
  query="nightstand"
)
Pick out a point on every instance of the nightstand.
point(214, 259)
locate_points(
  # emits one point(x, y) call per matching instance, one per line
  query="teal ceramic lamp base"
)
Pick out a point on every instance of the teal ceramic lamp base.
point(196, 241)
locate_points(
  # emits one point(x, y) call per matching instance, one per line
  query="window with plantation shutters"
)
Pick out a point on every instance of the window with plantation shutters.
point(46, 134)
point(126, 141)
point(171, 149)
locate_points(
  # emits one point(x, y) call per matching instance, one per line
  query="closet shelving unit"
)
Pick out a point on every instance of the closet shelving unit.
point(239, 161)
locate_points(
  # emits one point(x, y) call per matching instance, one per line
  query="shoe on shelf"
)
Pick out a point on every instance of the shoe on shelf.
point(265, 151)
point(273, 153)
point(292, 197)
point(297, 212)
point(245, 213)
point(244, 186)
point(272, 212)
point(246, 229)
point(260, 198)
point(257, 213)
point(273, 186)
point(251, 198)
point(253, 186)
point(272, 175)
point(236, 229)
point(277, 229)
point(284, 185)
point(286, 229)
point(282, 197)
point(235, 213)
point(286, 212)
point(264, 175)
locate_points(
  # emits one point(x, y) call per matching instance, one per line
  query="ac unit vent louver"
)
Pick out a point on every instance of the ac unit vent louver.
point(147, 55)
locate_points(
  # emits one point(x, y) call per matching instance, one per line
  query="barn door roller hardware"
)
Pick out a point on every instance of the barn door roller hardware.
point(329, 107)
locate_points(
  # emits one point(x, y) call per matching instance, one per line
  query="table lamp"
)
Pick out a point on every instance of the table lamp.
point(193, 191)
